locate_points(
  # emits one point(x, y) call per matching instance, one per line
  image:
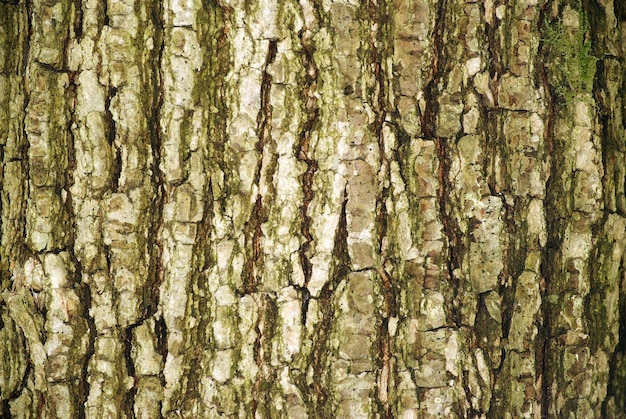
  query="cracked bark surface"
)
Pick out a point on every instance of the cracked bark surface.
point(300, 208)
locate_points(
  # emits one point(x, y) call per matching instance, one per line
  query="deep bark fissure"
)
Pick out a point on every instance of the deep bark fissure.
point(612, 148)
point(545, 335)
point(127, 344)
point(84, 385)
point(78, 20)
point(320, 351)
point(160, 331)
point(380, 16)
point(105, 12)
point(199, 339)
point(254, 232)
point(254, 265)
point(302, 154)
point(471, 412)
point(431, 92)
point(265, 329)
point(156, 269)
point(494, 64)
point(514, 255)
point(385, 357)
point(258, 359)
point(617, 376)
point(542, 345)
point(116, 169)
point(454, 244)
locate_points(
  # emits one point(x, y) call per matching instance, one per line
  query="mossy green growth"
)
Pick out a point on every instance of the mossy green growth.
point(569, 51)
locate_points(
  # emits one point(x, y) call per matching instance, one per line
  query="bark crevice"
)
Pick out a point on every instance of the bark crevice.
point(302, 153)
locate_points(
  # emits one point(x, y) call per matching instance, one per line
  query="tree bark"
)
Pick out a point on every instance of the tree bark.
point(392, 208)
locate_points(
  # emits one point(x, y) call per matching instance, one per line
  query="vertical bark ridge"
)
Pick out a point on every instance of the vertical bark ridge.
point(417, 46)
point(517, 177)
point(607, 295)
point(83, 291)
point(359, 326)
point(576, 220)
point(184, 147)
point(13, 146)
point(604, 304)
point(380, 56)
point(48, 121)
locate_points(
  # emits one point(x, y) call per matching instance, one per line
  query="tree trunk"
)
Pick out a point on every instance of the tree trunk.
point(282, 208)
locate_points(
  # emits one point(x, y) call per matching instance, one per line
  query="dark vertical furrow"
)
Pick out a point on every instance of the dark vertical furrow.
point(83, 385)
point(78, 20)
point(155, 230)
point(431, 91)
point(543, 349)
point(254, 263)
point(127, 344)
point(451, 229)
point(258, 359)
point(543, 337)
point(379, 15)
point(429, 130)
point(254, 236)
point(318, 359)
point(151, 287)
point(116, 168)
point(302, 153)
point(82, 288)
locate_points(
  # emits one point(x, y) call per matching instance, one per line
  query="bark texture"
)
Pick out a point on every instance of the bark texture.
point(303, 208)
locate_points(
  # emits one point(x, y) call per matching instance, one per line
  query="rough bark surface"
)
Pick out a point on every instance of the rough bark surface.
point(303, 208)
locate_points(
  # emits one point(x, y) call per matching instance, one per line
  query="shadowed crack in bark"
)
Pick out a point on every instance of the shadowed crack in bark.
point(320, 351)
point(253, 231)
point(127, 343)
point(302, 154)
point(110, 129)
point(155, 234)
point(254, 234)
point(380, 16)
point(451, 230)
point(266, 375)
point(548, 263)
point(429, 116)
point(84, 382)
